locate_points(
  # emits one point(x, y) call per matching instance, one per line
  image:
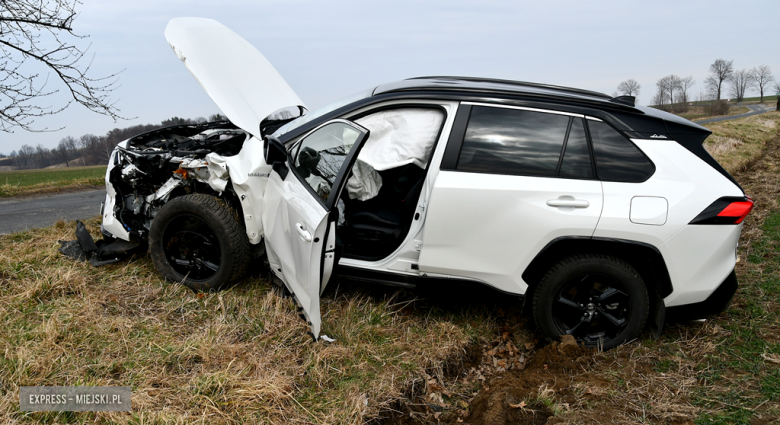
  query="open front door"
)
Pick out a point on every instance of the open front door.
point(300, 211)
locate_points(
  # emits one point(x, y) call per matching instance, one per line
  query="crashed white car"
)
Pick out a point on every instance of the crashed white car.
point(599, 213)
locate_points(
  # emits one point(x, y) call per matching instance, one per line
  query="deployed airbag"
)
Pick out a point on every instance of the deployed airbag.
point(364, 183)
point(399, 137)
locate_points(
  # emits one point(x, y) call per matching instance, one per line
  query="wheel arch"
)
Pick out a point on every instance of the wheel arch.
point(229, 196)
point(645, 258)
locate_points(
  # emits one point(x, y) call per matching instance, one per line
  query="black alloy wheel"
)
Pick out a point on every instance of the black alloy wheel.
point(199, 240)
point(592, 308)
point(191, 247)
point(599, 300)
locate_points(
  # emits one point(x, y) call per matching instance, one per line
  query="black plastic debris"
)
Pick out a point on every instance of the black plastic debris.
point(104, 251)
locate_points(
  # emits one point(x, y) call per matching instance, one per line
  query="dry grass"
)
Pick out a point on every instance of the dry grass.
point(737, 144)
point(239, 356)
point(699, 113)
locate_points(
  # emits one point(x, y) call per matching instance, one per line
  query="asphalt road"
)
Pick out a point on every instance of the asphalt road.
point(754, 110)
point(24, 213)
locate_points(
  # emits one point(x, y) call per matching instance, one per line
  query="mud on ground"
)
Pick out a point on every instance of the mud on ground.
point(515, 379)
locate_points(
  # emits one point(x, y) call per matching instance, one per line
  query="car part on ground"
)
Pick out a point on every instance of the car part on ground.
point(104, 251)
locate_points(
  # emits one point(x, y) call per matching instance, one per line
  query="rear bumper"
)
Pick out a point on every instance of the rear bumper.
point(716, 303)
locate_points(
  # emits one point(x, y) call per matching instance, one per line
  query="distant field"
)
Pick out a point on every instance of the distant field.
point(697, 112)
point(772, 98)
point(732, 102)
point(13, 183)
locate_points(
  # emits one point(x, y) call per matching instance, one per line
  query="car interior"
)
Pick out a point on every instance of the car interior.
point(377, 208)
point(373, 229)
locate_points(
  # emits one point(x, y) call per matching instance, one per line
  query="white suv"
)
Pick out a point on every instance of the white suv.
point(598, 212)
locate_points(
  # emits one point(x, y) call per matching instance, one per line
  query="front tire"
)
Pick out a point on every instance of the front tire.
point(600, 300)
point(199, 241)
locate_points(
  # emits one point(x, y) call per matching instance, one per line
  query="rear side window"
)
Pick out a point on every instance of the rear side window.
point(617, 159)
point(576, 159)
point(511, 141)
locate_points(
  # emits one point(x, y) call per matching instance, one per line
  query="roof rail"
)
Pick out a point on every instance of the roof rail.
point(517, 83)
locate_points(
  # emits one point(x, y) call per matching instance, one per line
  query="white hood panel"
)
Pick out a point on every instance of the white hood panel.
point(240, 80)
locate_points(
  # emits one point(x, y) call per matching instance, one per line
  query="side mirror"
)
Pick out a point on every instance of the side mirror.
point(273, 150)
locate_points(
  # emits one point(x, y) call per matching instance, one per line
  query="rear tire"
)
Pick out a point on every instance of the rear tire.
point(600, 300)
point(199, 241)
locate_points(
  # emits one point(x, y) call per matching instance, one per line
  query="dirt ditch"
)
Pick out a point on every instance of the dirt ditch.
point(497, 382)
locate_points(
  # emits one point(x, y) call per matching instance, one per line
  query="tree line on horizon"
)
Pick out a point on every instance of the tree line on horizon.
point(673, 93)
point(88, 149)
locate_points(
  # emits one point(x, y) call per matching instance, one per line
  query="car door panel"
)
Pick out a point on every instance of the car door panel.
point(295, 260)
point(489, 227)
point(299, 228)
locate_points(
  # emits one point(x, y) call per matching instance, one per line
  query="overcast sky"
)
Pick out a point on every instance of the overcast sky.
point(330, 49)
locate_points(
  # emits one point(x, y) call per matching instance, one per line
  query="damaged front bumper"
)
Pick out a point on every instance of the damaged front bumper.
point(148, 170)
point(104, 251)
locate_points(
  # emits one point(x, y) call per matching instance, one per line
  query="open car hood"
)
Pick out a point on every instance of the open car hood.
point(240, 80)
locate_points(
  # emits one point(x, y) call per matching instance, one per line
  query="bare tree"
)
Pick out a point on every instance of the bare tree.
point(40, 32)
point(666, 87)
point(88, 142)
point(763, 78)
point(65, 149)
point(741, 81)
point(26, 156)
point(629, 87)
point(44, 156)
point(682, 85)
point(720, 71)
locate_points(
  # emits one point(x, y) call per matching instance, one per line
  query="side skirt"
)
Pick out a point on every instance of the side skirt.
point(407, 281)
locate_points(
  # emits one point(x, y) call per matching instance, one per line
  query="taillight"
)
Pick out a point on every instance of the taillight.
point(726, 210)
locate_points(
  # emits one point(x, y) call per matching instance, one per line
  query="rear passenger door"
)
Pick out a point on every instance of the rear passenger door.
point(512, 179)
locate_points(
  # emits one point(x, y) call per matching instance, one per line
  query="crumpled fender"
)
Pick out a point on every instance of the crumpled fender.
point(248, 173)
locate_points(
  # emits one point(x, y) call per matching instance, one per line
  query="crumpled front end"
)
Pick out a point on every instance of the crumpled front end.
point(147, 171)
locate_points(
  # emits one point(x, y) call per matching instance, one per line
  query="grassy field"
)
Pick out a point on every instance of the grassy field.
point(767, 99)
point(737, 144)
point(27, 182)
point(448, 355)
point(240, 356)
point(697, 112)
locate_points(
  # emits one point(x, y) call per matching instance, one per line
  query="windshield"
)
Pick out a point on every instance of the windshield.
point(322, 111)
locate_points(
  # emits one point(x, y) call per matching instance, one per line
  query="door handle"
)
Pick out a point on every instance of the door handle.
point(576, 203)
point(303, 232)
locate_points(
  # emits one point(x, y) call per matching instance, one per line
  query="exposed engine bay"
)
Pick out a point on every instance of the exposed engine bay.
point(148, 170)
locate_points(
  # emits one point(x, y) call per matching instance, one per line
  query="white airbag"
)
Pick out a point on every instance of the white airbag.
point(364, 183)
point(399, 137)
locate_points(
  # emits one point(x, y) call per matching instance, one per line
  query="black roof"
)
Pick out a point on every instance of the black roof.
point(635, 121)
point(479, 87)
point(488, 85)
